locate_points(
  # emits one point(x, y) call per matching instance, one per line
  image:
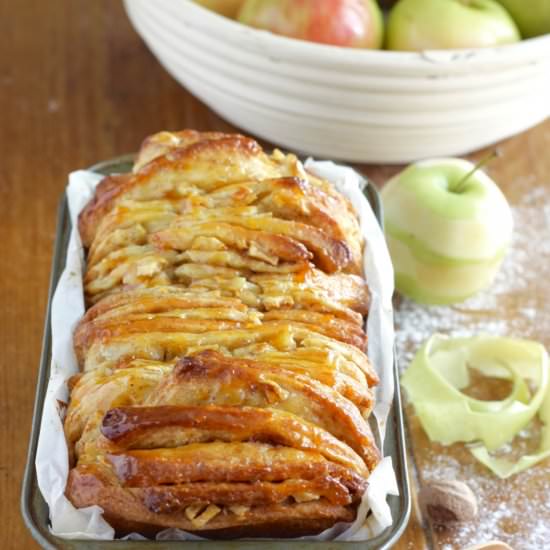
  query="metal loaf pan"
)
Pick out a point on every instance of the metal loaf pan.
point(35, 509)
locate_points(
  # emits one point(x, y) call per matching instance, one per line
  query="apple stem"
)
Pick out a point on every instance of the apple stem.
point(459, 187)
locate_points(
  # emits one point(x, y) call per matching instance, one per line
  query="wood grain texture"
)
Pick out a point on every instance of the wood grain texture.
point(77, 86)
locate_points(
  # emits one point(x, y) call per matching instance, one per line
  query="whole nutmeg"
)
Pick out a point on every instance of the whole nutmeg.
point(445, 502)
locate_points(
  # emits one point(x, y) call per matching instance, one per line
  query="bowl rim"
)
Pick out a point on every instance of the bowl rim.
point(293, 48)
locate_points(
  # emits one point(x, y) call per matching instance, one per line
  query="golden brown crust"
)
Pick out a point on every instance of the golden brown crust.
point(166, 426)
point(329, 325)
point(342, 295)
point(252, 383)
point(260, 493)
point(261, 235)
point(110, 351)
point(161, 143)
point(226, 389)
point(210, 162)
point(127, 511)
point(141, 382)
point(212, 378)
point(300, 196)
point(193, 313)
point(226, 160)
point(226, 462)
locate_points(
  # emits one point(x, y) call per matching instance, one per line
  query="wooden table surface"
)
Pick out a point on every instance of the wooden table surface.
point(78, 86)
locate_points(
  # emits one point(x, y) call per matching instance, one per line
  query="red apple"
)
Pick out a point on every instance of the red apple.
point(348, 23)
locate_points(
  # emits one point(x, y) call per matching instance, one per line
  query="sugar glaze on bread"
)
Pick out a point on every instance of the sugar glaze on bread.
point(224, 388)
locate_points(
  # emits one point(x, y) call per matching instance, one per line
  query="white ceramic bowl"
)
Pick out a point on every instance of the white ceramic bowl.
point(356, 105)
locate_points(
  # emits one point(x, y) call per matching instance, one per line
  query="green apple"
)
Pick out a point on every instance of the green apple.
point(415, 25)
point(229, 8)
point(347, 23)
point(447, 229)
point(532, 16)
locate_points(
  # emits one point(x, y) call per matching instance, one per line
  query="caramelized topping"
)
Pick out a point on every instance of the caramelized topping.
point(225, 382)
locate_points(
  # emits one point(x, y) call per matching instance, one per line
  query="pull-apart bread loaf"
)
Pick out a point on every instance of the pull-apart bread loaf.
point(225, 388)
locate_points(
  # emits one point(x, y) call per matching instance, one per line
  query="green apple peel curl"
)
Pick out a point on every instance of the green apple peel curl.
point(440, 370)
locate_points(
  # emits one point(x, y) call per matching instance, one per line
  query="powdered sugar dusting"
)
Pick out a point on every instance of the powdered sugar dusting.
point(516, 510)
